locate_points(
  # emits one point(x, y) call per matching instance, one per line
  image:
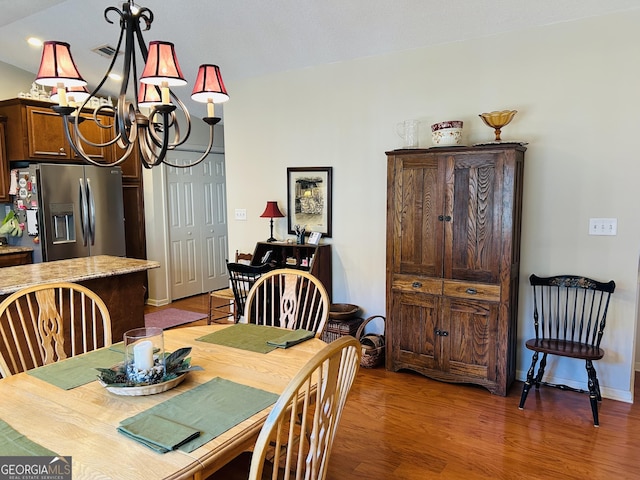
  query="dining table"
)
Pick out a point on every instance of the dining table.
point(82, 421)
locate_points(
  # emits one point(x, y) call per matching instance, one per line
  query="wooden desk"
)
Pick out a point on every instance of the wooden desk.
point(82, 422)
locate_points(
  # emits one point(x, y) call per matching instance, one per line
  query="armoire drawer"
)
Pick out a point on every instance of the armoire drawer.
point(413, 283)
point(477, 291)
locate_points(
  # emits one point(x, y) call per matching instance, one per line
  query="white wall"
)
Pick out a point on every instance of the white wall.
point(575, 86)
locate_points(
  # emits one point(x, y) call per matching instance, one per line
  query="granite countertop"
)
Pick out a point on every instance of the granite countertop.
point(73, 270)
point(6, 249)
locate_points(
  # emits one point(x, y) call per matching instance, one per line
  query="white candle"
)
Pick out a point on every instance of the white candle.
point(143, 355)
point(164, 90)
point(210, 108)
point(62, 95)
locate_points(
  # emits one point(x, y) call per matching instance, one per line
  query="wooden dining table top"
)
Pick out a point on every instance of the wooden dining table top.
point(81, 422)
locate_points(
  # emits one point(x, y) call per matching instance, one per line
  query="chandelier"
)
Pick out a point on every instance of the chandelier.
point(154, 133)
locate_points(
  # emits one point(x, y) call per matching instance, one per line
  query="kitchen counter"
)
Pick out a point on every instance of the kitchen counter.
point(119, 281)
point(11, 256)
point(73, 270)
point(7, 249)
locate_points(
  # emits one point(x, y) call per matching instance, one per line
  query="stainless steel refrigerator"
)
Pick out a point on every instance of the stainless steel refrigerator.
point(79, 211)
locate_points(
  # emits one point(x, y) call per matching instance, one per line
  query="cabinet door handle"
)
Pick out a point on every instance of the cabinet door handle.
point(441, 333)
point(441, 218)
point(416, 284)
point(447, 218)
point(471, 291)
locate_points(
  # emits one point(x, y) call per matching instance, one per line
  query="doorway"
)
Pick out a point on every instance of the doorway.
point(198, 237)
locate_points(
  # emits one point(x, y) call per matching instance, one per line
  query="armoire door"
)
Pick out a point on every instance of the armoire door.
point(475, 212)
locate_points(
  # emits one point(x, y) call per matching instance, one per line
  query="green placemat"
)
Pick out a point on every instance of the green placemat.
point(291, 338)
point(211, 408)
point(13, 443)
point(76, 371)
point(246, 336)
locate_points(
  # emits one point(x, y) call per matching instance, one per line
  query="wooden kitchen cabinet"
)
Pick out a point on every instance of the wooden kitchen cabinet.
point(453, 255)
point(35, 132)
point(4, 164)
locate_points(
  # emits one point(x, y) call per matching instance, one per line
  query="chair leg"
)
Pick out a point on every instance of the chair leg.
point(210, 304)
point(543, 366)
point(594, 393)
point(529, 381)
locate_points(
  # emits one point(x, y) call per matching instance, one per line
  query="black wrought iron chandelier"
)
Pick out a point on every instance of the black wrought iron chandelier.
point(154, 133)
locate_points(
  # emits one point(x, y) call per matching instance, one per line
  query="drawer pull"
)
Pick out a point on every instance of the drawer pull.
point(416, 284)
point(471, 291)
point(441, 333)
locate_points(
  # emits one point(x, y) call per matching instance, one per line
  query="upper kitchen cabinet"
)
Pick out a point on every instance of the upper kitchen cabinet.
point(35, 132)
point(4, 165)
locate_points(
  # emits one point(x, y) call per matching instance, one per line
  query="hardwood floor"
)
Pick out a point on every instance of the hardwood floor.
point(405, 426)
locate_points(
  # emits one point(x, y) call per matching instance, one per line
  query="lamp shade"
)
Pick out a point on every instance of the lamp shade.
point(57, 66)
point(79, 94)
point(272, 211)
point(209, 85)
point(162, 65)
point(148, 95)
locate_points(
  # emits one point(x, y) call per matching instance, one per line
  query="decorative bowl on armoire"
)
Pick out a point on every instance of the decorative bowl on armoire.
point(497, 120)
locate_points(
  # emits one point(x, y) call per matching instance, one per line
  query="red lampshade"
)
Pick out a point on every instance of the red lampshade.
point(148, 95)
point(272, 211)
point(162, 65)
point(209, 85)
point(79, 94)
point(57, 66)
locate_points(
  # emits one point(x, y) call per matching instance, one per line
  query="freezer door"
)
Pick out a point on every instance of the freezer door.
point(60, 217)
point(105, 211)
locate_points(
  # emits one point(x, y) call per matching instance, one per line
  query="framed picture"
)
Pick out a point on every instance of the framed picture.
point(314, 238)
point(309, 199)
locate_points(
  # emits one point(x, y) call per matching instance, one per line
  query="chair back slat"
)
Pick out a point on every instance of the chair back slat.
point(570, 308)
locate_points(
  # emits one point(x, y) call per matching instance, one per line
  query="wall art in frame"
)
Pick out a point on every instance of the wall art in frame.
point(309, 199)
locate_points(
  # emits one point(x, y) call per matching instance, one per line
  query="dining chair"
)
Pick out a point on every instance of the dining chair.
point(288, 298)
point(242, 278)
point(45, 323)
point(296, 439)
point(225, 295)
point(569, 318)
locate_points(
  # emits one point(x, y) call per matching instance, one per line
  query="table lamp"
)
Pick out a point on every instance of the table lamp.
point(272, 211)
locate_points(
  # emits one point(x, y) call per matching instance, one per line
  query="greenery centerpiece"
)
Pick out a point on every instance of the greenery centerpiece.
point(175, 364)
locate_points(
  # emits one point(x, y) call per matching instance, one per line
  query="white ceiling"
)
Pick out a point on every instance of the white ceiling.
point(249, 38)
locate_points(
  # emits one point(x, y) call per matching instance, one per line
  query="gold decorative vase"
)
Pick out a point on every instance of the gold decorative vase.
point(497, 120)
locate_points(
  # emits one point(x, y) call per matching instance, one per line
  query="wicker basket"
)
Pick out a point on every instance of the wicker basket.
point(372, 345)
point(338, 328)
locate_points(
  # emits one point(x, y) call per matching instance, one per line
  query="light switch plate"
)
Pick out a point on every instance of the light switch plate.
point(241, 214)
point(603, 226)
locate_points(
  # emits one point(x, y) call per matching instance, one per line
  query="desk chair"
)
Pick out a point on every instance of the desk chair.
point(225, 295)
point(289, 298)
point(46, 323)
point(298, 434)
point(569, 316)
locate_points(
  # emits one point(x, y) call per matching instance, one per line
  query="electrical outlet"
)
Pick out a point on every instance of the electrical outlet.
point(241, 214)
point(603, 226)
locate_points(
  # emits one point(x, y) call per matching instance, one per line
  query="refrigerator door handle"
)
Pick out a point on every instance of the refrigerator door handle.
point(84, 214)
point(92, 213)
